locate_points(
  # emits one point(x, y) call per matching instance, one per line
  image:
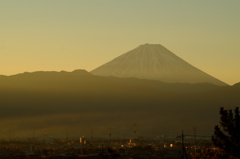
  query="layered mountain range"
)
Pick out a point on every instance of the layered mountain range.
point(149, 86)
point(53, 102)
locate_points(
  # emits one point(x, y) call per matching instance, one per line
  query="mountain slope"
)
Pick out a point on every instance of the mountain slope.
point(155, 62)
point(79, 101)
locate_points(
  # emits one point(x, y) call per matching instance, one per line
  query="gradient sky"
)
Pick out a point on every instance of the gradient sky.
point(83, 34)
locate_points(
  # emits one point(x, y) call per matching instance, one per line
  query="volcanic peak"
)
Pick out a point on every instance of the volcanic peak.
point(155, 62)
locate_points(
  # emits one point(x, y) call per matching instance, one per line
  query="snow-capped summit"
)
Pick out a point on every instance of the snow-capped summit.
point(155, 62)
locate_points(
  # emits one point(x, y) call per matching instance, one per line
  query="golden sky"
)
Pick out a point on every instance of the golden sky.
point(83, 34)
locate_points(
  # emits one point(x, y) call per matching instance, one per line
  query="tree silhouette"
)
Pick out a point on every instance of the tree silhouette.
point(227, 135)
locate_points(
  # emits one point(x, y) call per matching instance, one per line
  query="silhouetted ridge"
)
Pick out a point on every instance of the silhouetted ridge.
point(51, 73)
point(155, 62)
point(78, 99)
point(236, 85)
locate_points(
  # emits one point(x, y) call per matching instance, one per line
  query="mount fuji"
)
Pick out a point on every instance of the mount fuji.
point(154, 62)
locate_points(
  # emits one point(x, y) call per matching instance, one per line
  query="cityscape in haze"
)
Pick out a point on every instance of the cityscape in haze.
point(119, 79)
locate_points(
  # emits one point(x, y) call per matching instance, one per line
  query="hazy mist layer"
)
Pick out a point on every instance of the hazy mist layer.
point(54, 102)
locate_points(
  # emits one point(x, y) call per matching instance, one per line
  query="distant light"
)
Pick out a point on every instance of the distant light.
point(171, 145)
point(80, 140)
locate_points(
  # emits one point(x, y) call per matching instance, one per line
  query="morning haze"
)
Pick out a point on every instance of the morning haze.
point(116, 79)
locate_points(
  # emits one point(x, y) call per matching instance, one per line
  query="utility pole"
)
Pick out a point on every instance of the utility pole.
point(135, 130)
point(110, 138)
point(194, 139)
point(184, 153)
point(67, 135)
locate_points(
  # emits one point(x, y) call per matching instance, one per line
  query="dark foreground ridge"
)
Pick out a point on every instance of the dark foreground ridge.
point(53, 102)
